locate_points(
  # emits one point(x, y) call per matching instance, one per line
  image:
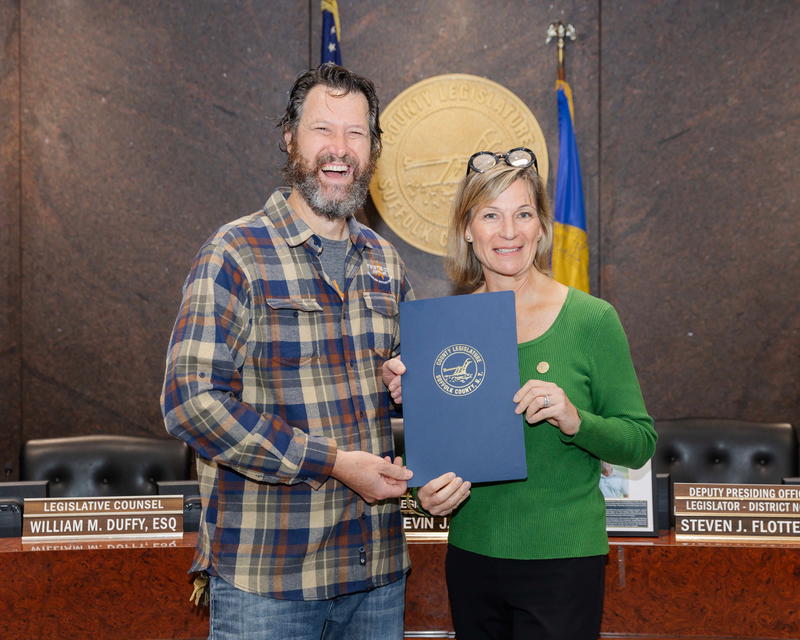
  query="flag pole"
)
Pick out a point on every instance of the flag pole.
point(561, 32)
point(570, 256)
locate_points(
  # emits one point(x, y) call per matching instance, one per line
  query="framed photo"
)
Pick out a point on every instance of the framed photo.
point(630, 500)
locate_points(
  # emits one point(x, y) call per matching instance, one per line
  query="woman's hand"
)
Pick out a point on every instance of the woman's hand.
point(391, 370)
point(540, 400)
point(442, 495)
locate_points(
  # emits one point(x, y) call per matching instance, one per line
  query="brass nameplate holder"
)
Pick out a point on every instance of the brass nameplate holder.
point(419, 525)
point(102, 518)
point(737, 512)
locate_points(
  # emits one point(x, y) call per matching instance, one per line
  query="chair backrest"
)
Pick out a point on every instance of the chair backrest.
point(726, 451)
point(105, 465)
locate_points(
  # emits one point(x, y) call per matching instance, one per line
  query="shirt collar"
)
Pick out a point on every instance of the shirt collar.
point(296, 232)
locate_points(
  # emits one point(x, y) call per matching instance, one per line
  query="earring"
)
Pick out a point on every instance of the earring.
point(468, 238)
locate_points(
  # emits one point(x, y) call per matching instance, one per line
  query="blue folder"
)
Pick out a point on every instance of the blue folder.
point(462, 372)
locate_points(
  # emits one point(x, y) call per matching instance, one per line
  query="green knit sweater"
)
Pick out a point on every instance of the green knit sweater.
point(559, 512)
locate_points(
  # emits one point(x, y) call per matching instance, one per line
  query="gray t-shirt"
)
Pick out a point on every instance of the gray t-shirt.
point(332, 258)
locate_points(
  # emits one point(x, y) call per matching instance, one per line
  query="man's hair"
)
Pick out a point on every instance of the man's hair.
point(340, 81)
point(477, 190)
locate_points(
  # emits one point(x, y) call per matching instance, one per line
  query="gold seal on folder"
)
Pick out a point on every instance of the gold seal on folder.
point(429, 132)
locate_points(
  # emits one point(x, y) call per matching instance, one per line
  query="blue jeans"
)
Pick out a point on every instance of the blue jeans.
point(367, 615)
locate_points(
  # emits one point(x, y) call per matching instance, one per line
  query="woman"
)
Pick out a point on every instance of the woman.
point(526, 559)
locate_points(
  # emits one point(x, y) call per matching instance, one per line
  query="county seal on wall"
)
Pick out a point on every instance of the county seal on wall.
point(429, 132)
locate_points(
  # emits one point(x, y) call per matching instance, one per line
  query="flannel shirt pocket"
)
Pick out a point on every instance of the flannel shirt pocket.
point(289, 326)
point(382, 321)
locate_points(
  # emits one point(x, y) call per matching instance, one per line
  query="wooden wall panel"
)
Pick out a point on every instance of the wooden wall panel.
point(10, 358)
point(699, 202)
point(146, 126)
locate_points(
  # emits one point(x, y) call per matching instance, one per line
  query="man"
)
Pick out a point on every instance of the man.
point(273, 377)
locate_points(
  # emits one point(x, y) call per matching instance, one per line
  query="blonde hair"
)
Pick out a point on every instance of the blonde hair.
point(477, 190)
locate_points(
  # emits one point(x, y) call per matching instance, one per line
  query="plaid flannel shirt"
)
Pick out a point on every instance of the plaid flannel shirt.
point(269, 371)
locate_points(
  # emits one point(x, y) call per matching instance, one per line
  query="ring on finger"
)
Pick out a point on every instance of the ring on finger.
point(546, 402)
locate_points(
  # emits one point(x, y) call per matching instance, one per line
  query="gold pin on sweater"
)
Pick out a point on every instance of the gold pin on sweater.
point(543, 367)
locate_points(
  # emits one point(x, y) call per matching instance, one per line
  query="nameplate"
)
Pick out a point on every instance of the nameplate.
point(102, 518)
point(98, 545)
point(419, 525)
point(756, 512)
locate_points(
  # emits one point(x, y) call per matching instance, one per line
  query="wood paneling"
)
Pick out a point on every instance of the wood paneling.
point(145, 127)
point(132, 130)
point(656, 589)
point(10, 273)
point(700, 200)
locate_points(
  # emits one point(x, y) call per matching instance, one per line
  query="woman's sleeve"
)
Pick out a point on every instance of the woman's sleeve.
point(618, 429)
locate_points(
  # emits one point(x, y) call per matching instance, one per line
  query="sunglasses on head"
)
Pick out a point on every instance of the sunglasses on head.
point(519, 157)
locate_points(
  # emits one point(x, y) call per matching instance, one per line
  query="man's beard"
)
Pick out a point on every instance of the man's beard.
point(346, 199)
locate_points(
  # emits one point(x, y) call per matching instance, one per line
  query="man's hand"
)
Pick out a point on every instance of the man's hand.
point(370, 476)
point(391, 371)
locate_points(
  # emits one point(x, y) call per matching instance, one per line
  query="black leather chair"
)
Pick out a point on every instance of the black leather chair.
point(104, 465)
point(726, 451)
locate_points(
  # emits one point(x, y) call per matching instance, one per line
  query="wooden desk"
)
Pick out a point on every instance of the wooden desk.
point(656, 588)
point(660, 588)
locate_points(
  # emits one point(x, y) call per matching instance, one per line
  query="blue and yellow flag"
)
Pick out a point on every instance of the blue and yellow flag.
point(570, 246)
point(330, 32)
